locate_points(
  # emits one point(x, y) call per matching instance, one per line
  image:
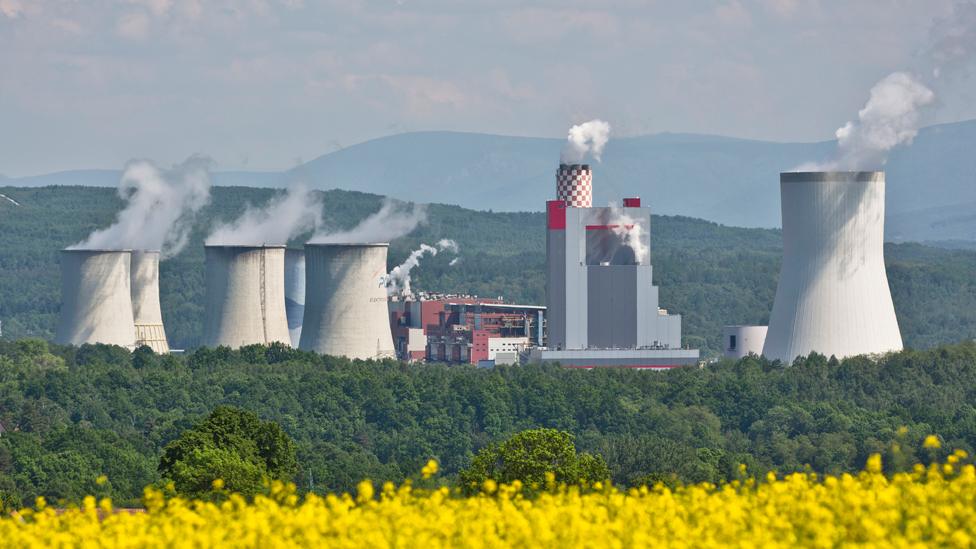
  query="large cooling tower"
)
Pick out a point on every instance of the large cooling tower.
point(96, 306)
point(148, 317)
point(345, 304)
point(295, 293)
point(833, 295)
point(245, 296)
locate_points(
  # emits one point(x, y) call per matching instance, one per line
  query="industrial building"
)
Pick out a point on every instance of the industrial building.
point(464, 329)
point(833, 295)
point(295, 293)
point(345, 302)
point(245, 296)
point(742, 341)
point(146, 312)
point(96, 303)
point(602, 305)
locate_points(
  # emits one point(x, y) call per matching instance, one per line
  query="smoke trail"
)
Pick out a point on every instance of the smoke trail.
point(397, 282)
point(390, 222)
point(631, 232)
point(588, 137)
point(160, 207)
point(284, 217)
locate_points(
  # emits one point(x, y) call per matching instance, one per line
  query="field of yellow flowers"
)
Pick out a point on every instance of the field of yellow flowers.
point(934, 506)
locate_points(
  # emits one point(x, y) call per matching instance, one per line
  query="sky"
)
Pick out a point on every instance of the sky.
point(267, 84)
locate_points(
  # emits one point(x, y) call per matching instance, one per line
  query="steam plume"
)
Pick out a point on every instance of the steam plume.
point(588, 137)
point(160, 207)
point(397, 282)
point(630, 232)
point(390, 222)
point(284, 217)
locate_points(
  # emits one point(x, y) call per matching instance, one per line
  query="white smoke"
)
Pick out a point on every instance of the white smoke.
point(454, 261)
point(160, 207)
point(630, 231)
point(588, 137)
point(284, 217)
point(397, 282)
point(390, 222)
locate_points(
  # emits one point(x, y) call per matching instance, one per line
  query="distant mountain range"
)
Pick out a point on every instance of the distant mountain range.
point(931, 184)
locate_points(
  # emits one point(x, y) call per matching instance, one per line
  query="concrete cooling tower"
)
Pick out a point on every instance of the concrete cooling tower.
point(295, 293)
point(833, 295)
point(345, 303)
point(96, 306)
point(245, 296)
point(144, 284)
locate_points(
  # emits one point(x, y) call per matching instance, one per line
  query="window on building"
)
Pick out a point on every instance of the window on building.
point(731, 342)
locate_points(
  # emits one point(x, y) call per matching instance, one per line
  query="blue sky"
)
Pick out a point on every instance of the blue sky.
point(264, 84)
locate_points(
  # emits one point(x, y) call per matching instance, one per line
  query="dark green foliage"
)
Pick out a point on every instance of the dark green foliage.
point(74, 414)
point(528, 456)
point(710, 274)
point(232, 445)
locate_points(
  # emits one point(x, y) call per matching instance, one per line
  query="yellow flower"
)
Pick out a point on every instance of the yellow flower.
point(365, 491)
point(102, 479)
point(874, 463)
point(429, 470)
point(218, 484)
point(932, 441)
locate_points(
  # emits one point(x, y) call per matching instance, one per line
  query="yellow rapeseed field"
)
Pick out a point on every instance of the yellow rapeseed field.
point(934, 506)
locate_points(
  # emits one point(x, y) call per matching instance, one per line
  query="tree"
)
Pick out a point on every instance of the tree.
point(528, 456)
point(232, 445)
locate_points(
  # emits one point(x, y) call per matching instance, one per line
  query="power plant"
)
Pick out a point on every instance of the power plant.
point(833, 295)
point(96, 304)
point(742, 341)
point(146, 313)
point(345, 302)
point(245, 296)
point(295, 293)
point(601, 303)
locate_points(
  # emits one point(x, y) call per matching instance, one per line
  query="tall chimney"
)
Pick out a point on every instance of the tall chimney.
point(574, 185)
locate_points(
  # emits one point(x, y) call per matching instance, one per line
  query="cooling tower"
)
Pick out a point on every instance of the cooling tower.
point(833, 295)
point(574, 185)
point(245, 296)
point(742, 341)
point(345, 303)
point(144, 283)
point(96, 306)
point(295, 293)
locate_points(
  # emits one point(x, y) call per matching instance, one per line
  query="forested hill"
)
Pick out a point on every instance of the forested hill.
point(711, 274)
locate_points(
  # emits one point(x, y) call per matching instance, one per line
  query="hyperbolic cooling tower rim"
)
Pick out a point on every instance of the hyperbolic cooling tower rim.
point(100, 250)
point(251, 246)
point(836, 176)
point(350, 244)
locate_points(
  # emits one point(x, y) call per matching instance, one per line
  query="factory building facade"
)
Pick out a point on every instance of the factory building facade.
point(602, 305)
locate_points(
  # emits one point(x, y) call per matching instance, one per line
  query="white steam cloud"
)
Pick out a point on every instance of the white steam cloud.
point(160, 207)
point(630, 232)
point(890, 118)
point(586, 138)
point(390, 222)
point(397, 282)
point(284, 217)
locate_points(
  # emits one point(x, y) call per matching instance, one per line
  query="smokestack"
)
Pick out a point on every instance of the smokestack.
point(295, 293)
point(833, 295)
point(96, 306)
point(245, 296)
point(144, 283)
point(574, 185)
point(346, 305)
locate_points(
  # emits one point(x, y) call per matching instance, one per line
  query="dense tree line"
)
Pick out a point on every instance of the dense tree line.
point(74, 414)
point(711, 274)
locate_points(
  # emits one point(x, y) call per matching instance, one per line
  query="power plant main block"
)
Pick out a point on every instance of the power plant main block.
point(833, 295)
point(245, 296)
point(96, 304)
point(574, 185)
point(346, 311)
point(148, 317)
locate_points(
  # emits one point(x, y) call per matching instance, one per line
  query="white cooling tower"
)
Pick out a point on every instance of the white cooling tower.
point(96, 306)
point(833, 295)
point(742, 341)
point(245, 296)
point(345, 303)
point(295, 293)
point(146, 313)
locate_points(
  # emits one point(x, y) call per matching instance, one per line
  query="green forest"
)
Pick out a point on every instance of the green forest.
point(73, 414)
point(711, 274)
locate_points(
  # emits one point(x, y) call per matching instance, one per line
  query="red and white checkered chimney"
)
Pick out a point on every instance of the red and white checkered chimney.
point(574, 185)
